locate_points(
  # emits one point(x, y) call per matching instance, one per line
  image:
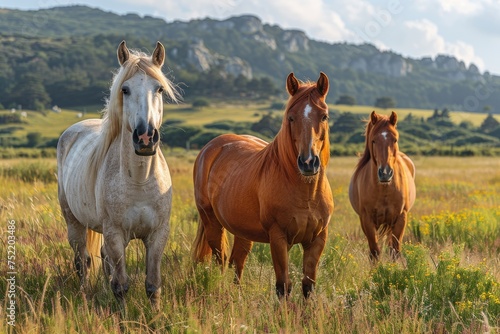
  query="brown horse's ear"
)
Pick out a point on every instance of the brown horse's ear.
point(122, 53)
point(292, 84)
point(323, 84)
point(373, 117)
point(394, 118)
point(158, 56)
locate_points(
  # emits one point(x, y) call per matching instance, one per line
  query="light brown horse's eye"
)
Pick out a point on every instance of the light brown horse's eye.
point(324, 118)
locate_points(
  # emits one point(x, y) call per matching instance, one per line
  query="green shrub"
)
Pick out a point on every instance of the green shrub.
point(200, 103)
point(439, 294)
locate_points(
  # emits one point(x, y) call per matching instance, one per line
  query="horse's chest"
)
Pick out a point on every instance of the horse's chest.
point(139, 211)
point(140, 218)
point(304, 229)
point(387, 209)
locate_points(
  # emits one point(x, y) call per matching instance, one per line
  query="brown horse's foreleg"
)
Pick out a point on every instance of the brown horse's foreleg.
point(155, 244)
point(370, 231)
point(312, 253)
point(114, 243)
point(279, 254)
point(239, 255)
point(396, 238)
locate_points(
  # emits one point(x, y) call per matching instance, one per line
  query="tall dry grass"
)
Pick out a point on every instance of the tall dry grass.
point(446, 282)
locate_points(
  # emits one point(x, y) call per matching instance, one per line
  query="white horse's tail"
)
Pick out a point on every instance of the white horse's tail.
point(94, 243)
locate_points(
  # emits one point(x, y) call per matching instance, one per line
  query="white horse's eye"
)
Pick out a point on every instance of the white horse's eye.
point(125, 90)
point(160, 89)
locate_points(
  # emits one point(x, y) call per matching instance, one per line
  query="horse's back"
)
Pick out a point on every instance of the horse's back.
point(224, 186)
point(75, 149)
point(410, 178)
point(409, 163)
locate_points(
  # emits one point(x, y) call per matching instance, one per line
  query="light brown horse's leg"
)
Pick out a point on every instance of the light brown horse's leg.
point(115, 250)
point(370, 231)
point(312, 253)
point(155, 244)
point(279, 254)
point(239, 254)
point(396, 237)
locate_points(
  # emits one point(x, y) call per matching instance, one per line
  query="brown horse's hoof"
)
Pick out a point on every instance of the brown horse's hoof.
point(307, 289)
point(280, 290)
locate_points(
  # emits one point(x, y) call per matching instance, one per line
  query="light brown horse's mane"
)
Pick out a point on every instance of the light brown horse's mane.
point(281, 151)
point(112, 115)
point(370, 128)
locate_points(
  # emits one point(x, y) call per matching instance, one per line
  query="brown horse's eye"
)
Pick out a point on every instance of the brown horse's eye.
point(324, 118)
point(290, 119)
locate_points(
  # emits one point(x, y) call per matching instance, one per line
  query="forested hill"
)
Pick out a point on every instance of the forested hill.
point(65, 56)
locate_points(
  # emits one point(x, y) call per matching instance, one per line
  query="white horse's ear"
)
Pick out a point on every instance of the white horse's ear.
point(394, 118)
point(122, 53)
point(292, 84)
point(322, 84)
point(158, 56)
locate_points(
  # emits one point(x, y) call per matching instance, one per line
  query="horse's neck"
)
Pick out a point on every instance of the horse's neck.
point(136, 168)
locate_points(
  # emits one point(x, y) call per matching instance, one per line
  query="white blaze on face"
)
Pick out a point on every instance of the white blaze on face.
point(384, 134)
point(307, 111)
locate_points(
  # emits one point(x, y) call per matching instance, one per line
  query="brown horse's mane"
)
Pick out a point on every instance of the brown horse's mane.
point(382, 122)
point(281, 150)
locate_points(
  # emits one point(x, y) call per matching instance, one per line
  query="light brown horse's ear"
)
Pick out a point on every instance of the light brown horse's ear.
point(373, 117)
point(292, 84)
point(322, 84)
point(158, 56)
point(122, 53)
point(394, 118)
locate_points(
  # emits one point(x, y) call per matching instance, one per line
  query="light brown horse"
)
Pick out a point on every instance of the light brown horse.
point(382, 189)
point(274, 193)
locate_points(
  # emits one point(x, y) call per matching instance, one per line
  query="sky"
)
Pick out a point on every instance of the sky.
point(466, 29)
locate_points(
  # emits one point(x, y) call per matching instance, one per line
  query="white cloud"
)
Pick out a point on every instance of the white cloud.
point(464, 7)
point(424, 39)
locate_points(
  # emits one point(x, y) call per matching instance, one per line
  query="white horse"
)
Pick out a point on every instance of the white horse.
point(114, 180)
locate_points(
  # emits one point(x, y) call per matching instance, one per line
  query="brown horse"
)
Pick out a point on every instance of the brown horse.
point(274, 192)
point(382, 189)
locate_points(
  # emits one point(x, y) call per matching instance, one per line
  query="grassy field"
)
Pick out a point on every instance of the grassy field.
point(446, 282)
point(51, 125)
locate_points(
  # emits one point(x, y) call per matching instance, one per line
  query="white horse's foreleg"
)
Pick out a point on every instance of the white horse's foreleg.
point(115, 244)
point(155, 244)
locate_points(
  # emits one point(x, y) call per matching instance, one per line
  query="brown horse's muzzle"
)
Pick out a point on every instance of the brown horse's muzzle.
point(385, 174)
point(308, 167)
